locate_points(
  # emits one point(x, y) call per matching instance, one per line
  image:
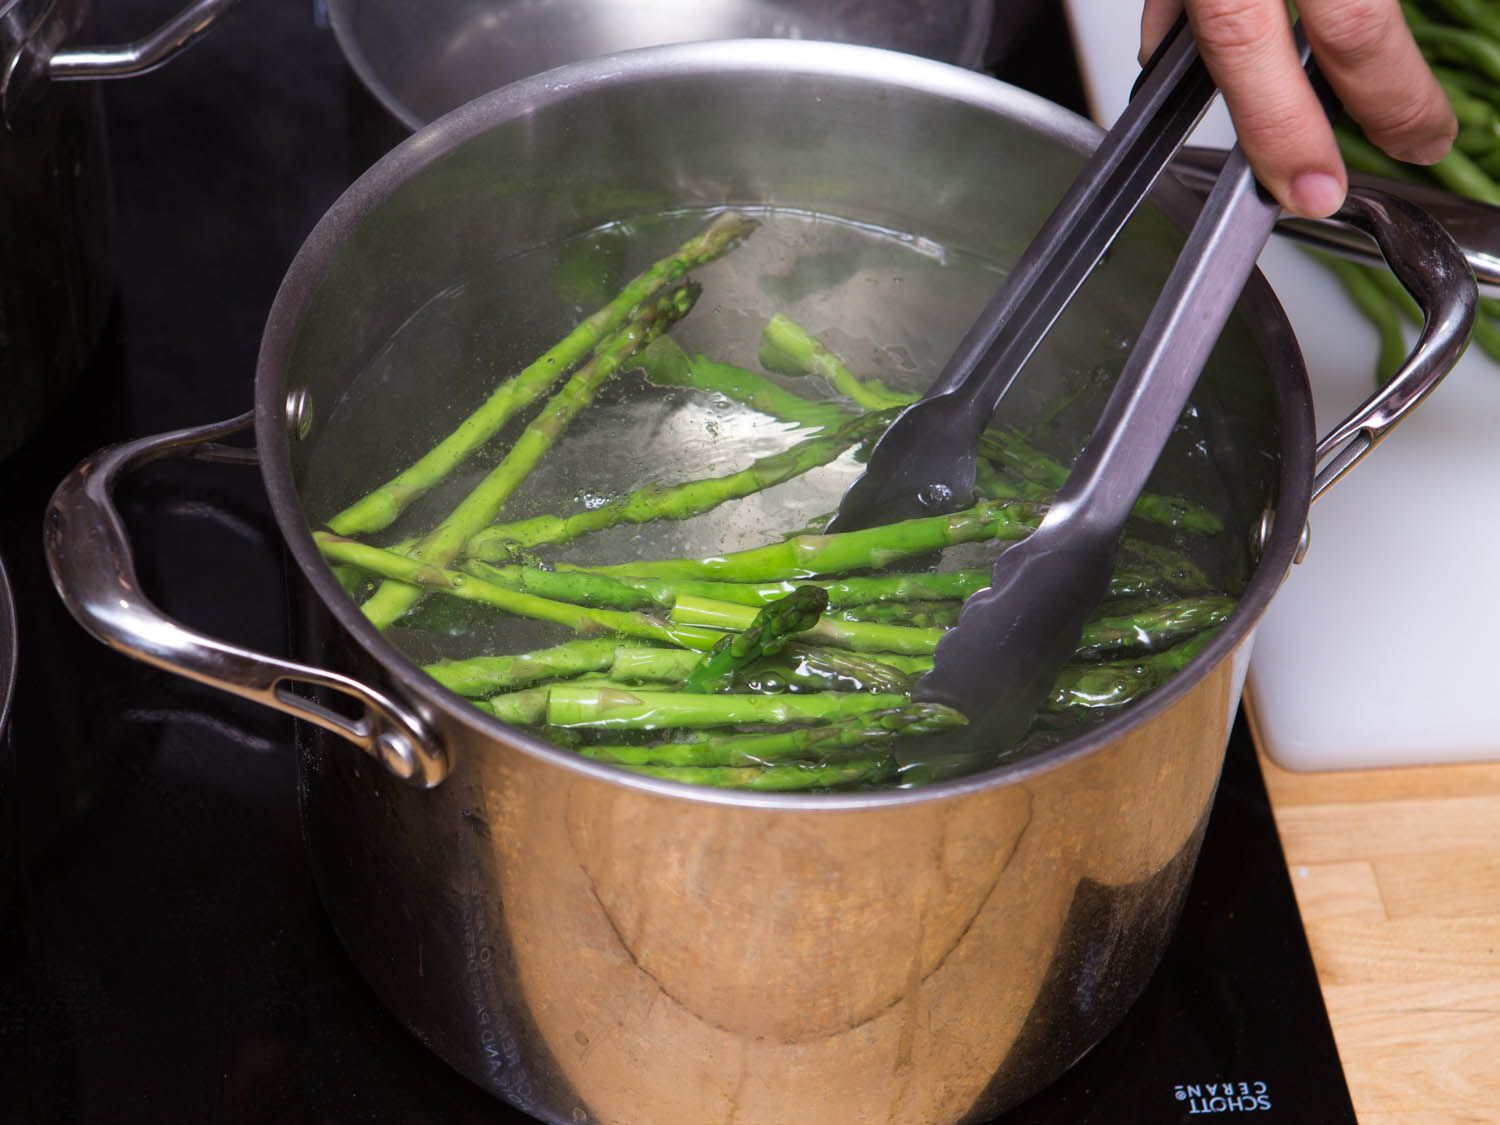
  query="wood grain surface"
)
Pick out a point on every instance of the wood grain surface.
point(1397, 874)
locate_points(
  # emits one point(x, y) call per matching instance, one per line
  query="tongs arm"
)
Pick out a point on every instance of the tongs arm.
point(928, 451)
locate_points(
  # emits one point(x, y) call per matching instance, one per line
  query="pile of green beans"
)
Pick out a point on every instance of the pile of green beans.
point(1461, 41)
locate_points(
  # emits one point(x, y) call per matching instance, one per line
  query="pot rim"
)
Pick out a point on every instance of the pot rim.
point(1292, 396)
point(341, 21)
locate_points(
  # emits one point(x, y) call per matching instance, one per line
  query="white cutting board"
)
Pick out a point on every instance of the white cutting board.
point(1381, 648)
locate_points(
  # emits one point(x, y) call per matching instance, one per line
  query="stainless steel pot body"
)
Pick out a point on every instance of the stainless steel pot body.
point(598, 946)
point(422, 60)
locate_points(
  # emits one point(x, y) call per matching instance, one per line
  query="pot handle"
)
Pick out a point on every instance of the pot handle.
point(124, 60)
point(41, 56)
point(1474, 225)
point(92, 567)
point(1432, 268)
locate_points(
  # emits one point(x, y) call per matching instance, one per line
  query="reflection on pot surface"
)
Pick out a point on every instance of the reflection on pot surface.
point(919, 962)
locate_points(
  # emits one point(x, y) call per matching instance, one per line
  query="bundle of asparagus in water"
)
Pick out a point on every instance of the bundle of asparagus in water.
point(783, 666)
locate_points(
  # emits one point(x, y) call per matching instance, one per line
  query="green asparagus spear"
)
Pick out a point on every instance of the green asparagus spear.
point(920, 615)
point(767, 632)
point(717, 749)
point(1135, 577)
point(1163, 568)
point(380, 508)
point(921, 600)
point(583, 619)
point(1153, 628)
point(1145, 629)
point(842, 592)
point(808, 667)
point(577, 586)
point(680, 501)
point(789, 349)
point(817, 668)
point(487, 675)
point(860, 636)
point(1090, 686)
point(605, 708)
point(1009, 448)
point(519, 708)
point(443, 543)
point(667, 365)
point(1093, 686)
point(713, 748)
point(806, 556)
point(1079, 686)
point(867, 768)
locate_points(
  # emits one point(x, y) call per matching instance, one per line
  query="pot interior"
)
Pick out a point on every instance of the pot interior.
point(892, 193)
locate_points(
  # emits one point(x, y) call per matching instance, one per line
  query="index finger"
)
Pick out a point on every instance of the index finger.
point(1247, 46)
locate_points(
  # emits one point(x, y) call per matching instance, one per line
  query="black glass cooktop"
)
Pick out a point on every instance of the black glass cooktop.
point(163, 957)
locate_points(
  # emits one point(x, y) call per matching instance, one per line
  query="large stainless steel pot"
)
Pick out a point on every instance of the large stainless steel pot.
point(422, 60)
point(596, 946)
point(56, 274)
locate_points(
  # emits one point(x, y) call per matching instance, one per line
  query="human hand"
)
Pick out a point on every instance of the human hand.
point(1364, 49)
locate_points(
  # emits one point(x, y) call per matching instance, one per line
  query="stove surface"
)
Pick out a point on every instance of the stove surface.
point(163, 956)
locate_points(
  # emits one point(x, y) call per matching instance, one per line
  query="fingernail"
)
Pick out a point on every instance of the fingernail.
point(1316, 195)
point(1429, 152)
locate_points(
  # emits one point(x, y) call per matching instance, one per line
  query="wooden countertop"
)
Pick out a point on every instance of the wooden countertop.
point(1397, 874)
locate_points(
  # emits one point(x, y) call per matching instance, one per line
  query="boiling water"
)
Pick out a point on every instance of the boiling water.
point(891, 306)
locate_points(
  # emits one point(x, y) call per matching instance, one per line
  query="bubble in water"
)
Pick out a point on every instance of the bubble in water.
point(591, 499)
point(934, 495)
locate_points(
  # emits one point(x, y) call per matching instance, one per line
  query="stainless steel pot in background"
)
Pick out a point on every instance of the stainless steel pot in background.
point(597, 946)
point(56, 274)
point(422, 60)
point(9, 841)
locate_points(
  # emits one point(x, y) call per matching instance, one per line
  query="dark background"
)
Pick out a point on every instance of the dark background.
point(163, 957)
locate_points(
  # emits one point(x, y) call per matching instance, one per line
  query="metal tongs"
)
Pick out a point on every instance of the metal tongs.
point(1011, 640)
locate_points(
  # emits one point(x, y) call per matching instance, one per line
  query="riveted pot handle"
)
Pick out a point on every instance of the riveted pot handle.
point(92, 566)
point(1432, 268)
